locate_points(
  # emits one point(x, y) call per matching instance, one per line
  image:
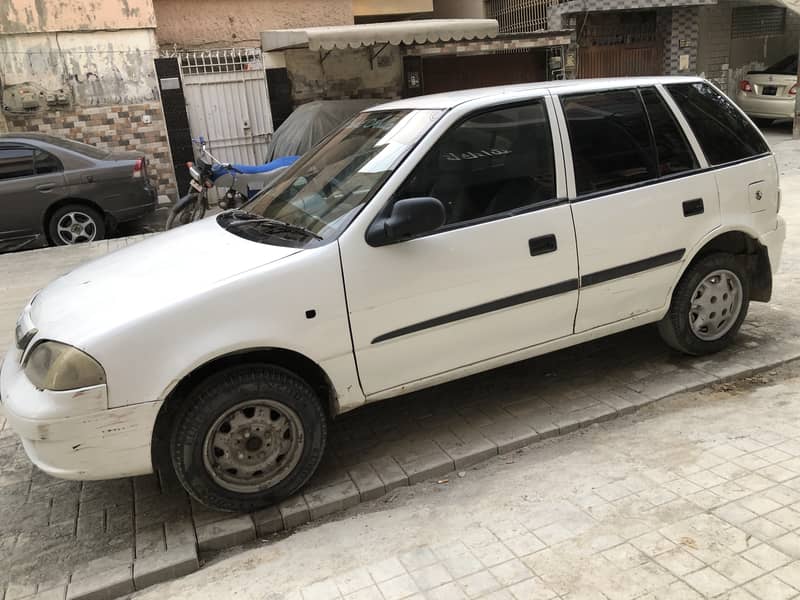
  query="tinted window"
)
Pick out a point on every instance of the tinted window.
point(787, 66)
point(673, 152)
point(44, 162)
point(16, 162)
point(610, 139)
point(492, 163)
point(724, 134)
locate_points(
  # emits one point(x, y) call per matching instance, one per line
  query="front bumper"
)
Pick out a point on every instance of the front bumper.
point(774, 240)
point(73, 435)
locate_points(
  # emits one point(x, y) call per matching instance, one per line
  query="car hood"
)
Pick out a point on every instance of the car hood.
point(146, 277)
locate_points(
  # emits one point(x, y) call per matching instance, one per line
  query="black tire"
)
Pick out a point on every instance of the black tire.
point(675, 328)
point(188, 213)
point(212, 400)
point(91, 223)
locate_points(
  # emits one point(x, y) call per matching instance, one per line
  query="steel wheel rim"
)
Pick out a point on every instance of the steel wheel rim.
point(76, 227)
point(715, 305)
point(253, 446)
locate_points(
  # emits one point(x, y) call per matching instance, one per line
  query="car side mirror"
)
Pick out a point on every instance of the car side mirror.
point(409, 218)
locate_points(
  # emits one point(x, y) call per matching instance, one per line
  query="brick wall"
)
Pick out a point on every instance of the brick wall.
point(715, 45)
point(683, 40)
point(118, 128)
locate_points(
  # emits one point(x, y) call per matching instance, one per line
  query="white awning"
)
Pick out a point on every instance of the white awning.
point(355, 36)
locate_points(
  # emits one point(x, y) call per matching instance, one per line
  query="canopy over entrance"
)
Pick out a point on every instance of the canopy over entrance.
point(355, 36)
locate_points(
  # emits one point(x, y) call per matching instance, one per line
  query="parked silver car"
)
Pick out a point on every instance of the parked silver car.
point(55, 191)
point(770, 94)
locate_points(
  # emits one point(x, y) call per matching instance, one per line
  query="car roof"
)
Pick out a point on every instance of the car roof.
point(448, 100)
point(26, 137)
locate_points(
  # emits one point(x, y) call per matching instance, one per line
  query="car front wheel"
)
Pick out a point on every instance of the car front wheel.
point(248, 437)
point(74, 224)
point(708, 306)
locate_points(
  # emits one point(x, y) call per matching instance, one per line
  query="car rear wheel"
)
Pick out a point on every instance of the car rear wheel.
point(75, 224)
point(248, 437)
point(708, 306)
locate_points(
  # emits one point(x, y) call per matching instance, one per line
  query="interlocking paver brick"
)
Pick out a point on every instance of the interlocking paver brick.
point(708, 582)
point(399, 587)
point(738, 569)
point(164, 566)
point(511, 572)
point(771, 588)
point(224, 534)
point(353, 581)
point(479, 584)
point(430, 577)
point(386, 569)
point(449, 591)
point(321, 590)
point(766, 557)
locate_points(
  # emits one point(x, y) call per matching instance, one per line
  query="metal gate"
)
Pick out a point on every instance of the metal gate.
point(620, 44)
point(227, 102)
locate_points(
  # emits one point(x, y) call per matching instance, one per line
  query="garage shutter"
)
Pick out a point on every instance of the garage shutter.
point(757, 21)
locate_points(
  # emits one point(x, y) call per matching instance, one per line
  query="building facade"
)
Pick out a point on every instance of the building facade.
point(85, 71)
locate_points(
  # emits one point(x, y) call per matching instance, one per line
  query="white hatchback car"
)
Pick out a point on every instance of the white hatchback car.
point(428, 239)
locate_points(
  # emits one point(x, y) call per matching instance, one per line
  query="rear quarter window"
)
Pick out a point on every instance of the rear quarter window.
point(723, 132)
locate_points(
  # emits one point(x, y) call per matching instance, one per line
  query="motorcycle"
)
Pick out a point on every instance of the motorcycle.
point(242, 183)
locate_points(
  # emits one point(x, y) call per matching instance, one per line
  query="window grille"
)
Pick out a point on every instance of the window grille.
point(758, 21)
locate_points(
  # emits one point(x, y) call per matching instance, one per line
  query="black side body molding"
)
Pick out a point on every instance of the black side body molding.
point(633, 268)
point(474, 311)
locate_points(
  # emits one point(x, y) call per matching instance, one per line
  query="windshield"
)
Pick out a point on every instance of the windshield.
point(326, 188)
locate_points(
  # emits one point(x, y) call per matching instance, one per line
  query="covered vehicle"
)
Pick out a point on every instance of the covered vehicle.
point(311, 122)
point(770, 94)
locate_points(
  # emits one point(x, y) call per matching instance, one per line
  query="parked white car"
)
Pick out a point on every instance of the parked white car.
point(770, 94)
point(429, 239)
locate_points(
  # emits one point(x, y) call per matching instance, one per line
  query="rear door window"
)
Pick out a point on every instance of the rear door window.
point(15, 162)
point(725, 135)
point(673, 153)
point(610, 138)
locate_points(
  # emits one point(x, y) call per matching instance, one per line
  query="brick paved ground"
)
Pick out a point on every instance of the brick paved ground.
point(695, 497)
point(50, 530)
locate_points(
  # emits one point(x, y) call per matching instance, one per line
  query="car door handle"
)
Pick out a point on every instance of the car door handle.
point(693, 207)
point(46, 187)
point(543, 245)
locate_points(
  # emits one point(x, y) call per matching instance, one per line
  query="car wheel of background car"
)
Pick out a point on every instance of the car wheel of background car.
point(188, 213)
point(708, 306)
point(74, 224)
point(248, 437)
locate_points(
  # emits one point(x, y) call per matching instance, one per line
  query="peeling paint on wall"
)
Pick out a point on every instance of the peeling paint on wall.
point(98, 68)
point(240, 22)
point(36, 16)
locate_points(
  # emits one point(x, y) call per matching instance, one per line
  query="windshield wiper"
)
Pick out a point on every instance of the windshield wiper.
point(246, 218)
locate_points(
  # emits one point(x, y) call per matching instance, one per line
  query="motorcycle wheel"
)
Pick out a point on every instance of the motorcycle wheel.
point(188, 213)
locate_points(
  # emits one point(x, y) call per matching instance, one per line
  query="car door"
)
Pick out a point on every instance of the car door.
point(30, 180)
point(499, 276)
point(640, 199)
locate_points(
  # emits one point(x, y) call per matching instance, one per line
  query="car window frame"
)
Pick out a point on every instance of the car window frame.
point(685, 121)
point(16, 146)
point(703, 164)
point(558, 168)
point(51, 154)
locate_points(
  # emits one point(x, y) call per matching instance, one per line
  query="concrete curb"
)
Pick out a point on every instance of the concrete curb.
point(108, 578)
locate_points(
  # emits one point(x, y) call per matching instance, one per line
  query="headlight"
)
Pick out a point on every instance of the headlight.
point(58, 367)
